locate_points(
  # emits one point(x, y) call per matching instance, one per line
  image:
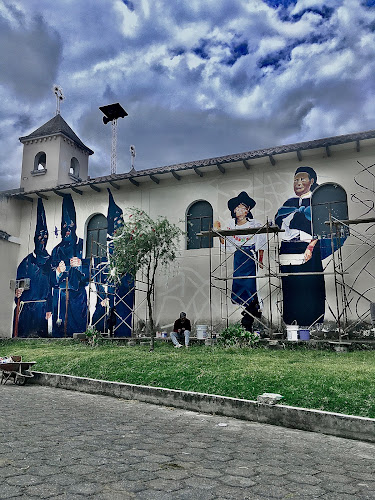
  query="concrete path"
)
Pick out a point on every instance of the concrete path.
point(69, 445)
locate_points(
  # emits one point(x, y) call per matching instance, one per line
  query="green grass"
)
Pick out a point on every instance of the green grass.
point(339, 382)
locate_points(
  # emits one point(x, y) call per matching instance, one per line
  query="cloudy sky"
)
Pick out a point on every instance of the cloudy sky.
point(199, 78)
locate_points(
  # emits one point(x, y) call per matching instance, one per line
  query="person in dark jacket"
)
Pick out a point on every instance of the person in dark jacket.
point(181, 329)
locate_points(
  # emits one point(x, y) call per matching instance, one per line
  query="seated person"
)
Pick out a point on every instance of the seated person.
point(181, 328)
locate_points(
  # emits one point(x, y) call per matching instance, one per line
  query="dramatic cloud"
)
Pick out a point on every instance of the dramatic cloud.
point(199, 78)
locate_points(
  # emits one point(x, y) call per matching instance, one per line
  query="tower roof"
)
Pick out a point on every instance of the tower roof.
point(57, 125)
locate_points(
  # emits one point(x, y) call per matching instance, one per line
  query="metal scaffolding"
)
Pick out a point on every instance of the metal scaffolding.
point(107, 294)
point(348, 295)
point(269, 293)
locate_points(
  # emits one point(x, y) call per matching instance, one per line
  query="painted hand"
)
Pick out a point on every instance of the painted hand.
point(217, 225)
point(19, 292)
point(308, 254)
point(75, 262)
point(48, 315)
point(61, 267)
point(309, 250)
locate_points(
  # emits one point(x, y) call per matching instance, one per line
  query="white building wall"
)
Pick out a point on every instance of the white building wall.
point(10, 250)
point(187, 285)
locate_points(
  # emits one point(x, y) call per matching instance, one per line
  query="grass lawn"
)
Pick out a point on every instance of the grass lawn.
point(339, 382)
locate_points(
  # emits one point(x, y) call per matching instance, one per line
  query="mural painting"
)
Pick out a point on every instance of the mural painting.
point(34, 306)
point(58, 283)
point(69, 276)
point(114, 304)
point(248, 255)
point(302, 251)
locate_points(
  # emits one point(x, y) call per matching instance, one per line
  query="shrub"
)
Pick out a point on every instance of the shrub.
point(93, 336)
point(237, 336)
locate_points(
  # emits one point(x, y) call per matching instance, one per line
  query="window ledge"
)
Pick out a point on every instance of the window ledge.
point(39, 172)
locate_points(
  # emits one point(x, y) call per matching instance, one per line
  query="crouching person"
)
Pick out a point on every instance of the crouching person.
point(181, 331)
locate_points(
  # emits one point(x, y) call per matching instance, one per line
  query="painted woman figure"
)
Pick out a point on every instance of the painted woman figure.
point(69, 277)
point(303, 296)
point(248, 251)
point(36, 302)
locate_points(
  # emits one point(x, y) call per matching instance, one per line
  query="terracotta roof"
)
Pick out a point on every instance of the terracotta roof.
point(57, 125)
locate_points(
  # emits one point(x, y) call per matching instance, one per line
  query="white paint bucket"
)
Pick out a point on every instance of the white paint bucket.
point(201, 332)
point(292, 332)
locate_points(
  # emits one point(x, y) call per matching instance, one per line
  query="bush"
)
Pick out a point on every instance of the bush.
point(237, 336)
point(93, 336)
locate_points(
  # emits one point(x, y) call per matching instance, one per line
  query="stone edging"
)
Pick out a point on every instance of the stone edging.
point(335, 424)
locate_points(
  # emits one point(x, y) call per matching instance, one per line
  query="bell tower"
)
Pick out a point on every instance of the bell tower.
point(53, 155)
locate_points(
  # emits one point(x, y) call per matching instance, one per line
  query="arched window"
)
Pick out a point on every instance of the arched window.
point(40, 162)
point(74, 167)
point(96, 241)
point(198, 218)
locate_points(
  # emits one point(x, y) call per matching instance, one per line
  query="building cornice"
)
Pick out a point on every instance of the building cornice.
point(195, 166)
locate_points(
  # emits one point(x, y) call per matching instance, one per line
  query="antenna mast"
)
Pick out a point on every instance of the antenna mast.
point(112, 113)
point(114, 147)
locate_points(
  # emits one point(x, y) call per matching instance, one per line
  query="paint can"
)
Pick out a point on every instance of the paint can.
point(304, 334)
point(292, 332)
point(201, 332)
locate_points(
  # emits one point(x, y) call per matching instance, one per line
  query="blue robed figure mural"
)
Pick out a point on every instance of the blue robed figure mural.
point(69, 276)
point(114, 304)
point(303, 295)
point(35, 304)
point(248, 255)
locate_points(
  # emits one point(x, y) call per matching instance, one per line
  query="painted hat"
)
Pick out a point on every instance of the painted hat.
point(41, 223)
point(114, 216)
point(312, 174)
point(68, 210)
point(244, 199)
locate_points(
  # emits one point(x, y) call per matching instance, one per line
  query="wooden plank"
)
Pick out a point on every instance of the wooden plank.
point(154, 179)
point(221, 168)
point(43, 196)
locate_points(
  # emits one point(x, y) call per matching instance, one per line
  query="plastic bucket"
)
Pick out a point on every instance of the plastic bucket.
point(292, 332)
point(304, 334)
point(201, 332)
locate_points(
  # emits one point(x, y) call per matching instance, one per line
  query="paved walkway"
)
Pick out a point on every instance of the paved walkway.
point(68, 445)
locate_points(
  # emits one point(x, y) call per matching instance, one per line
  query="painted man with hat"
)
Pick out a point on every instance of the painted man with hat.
point(248, 252)
point(303, 295)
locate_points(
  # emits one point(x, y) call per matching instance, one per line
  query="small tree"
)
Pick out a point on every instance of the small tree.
point(143, 245)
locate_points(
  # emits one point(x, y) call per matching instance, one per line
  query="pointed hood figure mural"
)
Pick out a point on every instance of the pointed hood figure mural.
point(34, 305)
point(41, 234)
point(68, 222)
point(69, 276)
point(114, 306)
point(115, 217)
